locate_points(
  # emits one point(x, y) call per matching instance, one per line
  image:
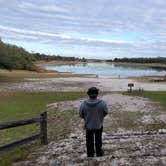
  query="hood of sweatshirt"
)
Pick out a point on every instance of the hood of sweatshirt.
point(93, 102)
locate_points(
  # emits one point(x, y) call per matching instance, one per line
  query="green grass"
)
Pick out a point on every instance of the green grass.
point(20, 105)
point(159, 96)
point(23, 105)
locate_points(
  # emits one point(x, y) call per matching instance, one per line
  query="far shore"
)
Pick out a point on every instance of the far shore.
point(151, 65)
point(43, 80)
point(60, 62)
point(38, 67)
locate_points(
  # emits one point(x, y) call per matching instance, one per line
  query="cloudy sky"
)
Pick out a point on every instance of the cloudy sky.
point(102, 29)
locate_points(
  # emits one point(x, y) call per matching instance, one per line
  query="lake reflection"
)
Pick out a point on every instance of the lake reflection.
point(104, 69)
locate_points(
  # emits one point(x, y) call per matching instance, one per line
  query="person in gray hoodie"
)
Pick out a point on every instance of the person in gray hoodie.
point(93, 111)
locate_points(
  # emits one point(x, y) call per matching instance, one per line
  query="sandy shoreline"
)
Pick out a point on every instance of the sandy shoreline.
point(38, 66)
point(81, 84)
point(48, 81)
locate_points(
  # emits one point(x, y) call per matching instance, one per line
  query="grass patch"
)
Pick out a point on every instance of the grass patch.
point(17, 154)
point(59, 123)
point(124, 120)
point(23, 105)
point(20, 105)
point(155, 126)
point(20, 75)
point(159, 96)
point(132, 120)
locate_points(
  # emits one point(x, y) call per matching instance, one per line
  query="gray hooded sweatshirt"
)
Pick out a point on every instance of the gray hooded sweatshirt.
point(93, 112)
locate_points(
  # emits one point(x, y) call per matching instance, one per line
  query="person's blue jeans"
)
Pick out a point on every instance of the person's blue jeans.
point(90, 135)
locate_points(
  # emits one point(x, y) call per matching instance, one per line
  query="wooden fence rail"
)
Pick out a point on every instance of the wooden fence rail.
point(42, 135)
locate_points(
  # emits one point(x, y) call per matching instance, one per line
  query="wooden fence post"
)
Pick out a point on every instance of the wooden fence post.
point(43, 128)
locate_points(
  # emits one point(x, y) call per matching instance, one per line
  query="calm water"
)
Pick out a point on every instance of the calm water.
point(103, 69)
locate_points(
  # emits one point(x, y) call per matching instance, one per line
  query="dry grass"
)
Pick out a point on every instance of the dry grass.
point(154, 79)
point(131, 121)
point(21, 75)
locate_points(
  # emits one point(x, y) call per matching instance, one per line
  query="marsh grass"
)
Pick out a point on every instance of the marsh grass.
point(24, 105)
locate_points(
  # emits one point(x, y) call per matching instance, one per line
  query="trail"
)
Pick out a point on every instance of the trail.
point(121, 147)
point(80, 84)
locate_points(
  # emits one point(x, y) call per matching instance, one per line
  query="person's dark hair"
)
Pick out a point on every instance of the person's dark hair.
point(93, 92)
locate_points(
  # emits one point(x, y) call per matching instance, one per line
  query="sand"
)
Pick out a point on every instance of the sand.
point(109, 84)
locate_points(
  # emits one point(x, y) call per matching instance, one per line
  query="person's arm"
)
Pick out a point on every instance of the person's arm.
point(105, 109)
point(81, 111)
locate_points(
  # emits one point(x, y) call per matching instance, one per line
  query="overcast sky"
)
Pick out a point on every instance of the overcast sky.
point(102, 29)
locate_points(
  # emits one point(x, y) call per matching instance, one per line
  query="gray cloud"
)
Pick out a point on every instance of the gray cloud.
point(103, 25)
point(43, 8)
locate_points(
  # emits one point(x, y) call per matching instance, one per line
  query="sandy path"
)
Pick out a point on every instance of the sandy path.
point(79, 84)
point(118, 102)
point(127, 147)
point(113, 100)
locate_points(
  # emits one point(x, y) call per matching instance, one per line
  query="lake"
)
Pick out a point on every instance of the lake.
point(105, 69)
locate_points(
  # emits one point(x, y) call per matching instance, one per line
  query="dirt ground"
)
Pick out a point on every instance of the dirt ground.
point(127, 137)
point(80, 84)
point(134, 130)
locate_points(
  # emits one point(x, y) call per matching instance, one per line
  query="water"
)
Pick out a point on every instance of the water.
point(104, 69)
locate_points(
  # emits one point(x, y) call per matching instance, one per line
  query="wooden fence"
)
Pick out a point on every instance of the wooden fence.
point(42, 134)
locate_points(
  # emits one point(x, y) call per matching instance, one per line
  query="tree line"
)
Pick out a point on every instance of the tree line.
point(140, 60)
point(14, 57)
